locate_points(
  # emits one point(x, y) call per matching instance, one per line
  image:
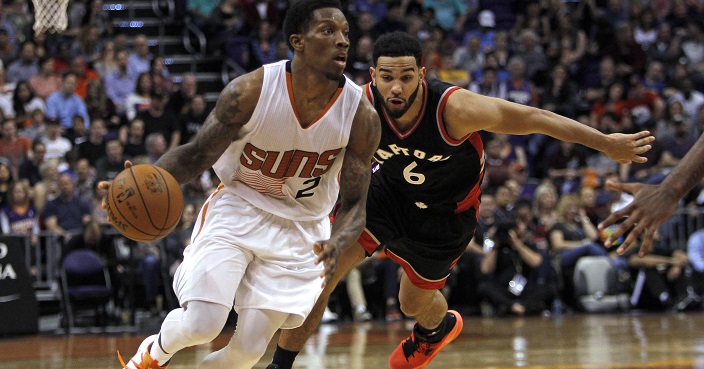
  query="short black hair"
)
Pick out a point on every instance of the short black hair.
point(396, 44)
point(301, 13)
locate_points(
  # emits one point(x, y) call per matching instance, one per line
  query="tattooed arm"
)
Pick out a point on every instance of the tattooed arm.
point(354, 182)
point(232, 110)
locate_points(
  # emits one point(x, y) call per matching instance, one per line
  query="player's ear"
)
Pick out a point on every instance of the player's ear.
point(372, 72)
point(296, 41)
point(421, 73)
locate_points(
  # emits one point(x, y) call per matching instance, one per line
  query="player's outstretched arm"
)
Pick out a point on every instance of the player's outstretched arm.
point(654, 204)
point(232, 110)
point(467, 112)
point(354, 183)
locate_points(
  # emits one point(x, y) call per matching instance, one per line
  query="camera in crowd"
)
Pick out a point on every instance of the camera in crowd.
point(501, 235)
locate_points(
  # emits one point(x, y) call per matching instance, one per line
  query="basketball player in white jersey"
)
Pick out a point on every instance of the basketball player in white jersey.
point(278, 138)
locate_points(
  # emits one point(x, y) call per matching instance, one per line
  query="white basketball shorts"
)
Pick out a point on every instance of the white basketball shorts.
point(241, 253)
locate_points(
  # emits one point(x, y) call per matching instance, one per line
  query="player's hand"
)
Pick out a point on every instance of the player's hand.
point(105, 185)
point(650, 208)
point(328, 255)
point(627, 148)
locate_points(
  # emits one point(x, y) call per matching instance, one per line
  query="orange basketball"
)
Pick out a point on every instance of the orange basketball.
point(144, 202)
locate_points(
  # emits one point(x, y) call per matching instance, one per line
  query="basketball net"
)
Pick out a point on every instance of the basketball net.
point(50, 16)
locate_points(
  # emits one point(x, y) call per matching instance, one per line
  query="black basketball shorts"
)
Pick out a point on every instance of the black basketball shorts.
point(426, 243)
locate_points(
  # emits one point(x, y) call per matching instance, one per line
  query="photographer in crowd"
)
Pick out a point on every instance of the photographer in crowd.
point(512, 267)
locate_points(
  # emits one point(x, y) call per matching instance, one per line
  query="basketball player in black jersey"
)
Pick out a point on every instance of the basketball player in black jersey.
point(423, 199)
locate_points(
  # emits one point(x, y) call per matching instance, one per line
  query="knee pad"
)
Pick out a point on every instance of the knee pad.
point(202, 323)
point(201, 333)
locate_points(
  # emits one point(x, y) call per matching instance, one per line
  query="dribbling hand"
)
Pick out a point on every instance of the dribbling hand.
point(105, 185)
point(328, 255)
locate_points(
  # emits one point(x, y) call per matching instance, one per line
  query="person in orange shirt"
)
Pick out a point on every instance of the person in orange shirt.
point(13, 147)
point(83, 75)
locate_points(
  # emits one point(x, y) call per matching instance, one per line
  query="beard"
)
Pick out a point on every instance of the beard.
point(398, 113)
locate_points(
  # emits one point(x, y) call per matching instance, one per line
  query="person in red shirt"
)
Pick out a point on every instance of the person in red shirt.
point(644, 105)
point(12, 146)
point(614, 103)
point(83, 75)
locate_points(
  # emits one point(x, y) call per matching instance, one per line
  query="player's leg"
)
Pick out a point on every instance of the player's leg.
point(205, 299)
point(425, 273)
point(291, 341)
point(199, 322)
point(254, 331)
point(428, 307)
point(435, 327)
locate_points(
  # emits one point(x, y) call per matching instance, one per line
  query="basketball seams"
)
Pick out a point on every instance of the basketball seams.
point(168, 204)
point(147, 174)
point(117, 208)
point(146, 208)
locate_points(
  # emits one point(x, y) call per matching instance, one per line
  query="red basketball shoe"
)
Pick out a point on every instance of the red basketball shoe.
point(414, 353)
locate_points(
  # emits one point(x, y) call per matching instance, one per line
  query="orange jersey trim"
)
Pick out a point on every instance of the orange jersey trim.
point(204, 211)
point(289, 87)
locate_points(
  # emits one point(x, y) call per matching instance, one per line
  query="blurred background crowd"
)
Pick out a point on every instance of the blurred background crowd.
point(75, 105)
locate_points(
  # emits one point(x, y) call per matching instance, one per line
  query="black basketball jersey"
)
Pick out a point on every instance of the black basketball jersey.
point(423, 164)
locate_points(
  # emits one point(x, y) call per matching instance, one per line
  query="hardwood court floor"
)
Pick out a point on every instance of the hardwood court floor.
point(673, 341)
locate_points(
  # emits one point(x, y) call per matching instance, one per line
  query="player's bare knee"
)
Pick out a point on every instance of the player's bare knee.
point(416, 301)
point(410, 306)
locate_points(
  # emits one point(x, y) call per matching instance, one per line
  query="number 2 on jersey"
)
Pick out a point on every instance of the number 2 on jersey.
point(308, 191)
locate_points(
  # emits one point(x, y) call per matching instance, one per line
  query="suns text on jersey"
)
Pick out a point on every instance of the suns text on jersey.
point(287, 164)
point(383, 155)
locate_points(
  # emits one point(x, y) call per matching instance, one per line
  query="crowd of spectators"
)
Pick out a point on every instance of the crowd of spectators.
point(74, 106)
point(616, 65)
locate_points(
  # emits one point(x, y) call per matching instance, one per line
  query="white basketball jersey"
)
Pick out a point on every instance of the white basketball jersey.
point(281, 167)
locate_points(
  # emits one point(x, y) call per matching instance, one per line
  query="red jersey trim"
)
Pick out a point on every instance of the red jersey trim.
point(417, 279)
point(368, 92)
point(368, 241)
point(472, 198)
point(441, 123)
